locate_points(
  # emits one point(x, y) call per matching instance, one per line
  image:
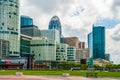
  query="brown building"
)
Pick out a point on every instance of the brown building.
point(72, 41)
point(81, 45)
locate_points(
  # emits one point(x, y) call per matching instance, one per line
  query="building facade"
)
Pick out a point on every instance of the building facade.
point(82, 54)
point(51, 34)
point(31, 31)
point(9, 25)
point(4, 48)
point(26, 21)
point(25, 45)
point(71, 54)
point(43, 49)
point(61, 52)
point(81, 45)
point(98, 42)
point(90, 43)
point(72, 41)
point(55, 24)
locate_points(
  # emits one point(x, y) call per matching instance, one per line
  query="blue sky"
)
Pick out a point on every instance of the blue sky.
point(107, 22)
point(78, 16)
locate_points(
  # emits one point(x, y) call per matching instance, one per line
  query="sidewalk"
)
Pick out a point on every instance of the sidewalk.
point(28, 77)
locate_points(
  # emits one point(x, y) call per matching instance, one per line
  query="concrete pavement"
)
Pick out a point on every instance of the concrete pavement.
point(28, 77)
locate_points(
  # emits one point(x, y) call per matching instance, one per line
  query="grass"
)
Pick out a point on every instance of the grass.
point(58, 72)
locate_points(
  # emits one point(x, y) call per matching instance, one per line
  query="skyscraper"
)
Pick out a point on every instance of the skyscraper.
point(55, 24)
point(90, 43)
point(26, 21)
point(9, 25)
point(98, 42)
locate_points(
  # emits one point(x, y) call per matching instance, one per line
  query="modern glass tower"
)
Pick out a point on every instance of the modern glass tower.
point(98, 42)
point(9, 25)
point(90, 43)
point(55, 24)
point(26, 21)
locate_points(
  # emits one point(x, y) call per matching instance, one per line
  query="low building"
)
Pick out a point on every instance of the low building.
point(25, 45)
point(82, 54)
point(101, 62)
point(61, 52)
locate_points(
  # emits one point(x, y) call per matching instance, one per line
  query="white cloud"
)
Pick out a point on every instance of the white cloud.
point(77, 17)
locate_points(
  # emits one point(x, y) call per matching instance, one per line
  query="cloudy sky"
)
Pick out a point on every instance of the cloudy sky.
point(77, 18)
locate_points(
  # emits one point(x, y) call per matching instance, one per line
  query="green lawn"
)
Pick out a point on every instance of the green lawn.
point(47, 72)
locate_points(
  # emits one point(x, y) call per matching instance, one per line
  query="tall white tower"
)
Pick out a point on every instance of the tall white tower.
point(9, 25)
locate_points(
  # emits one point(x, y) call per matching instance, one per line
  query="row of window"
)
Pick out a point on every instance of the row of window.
point(42, 45)
point(9, 28)
point(7, 32)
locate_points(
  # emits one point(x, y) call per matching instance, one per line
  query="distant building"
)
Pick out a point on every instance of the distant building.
point(9, 25)
point(51, 34)
point(107, 57)
point(81, 45)
point(98, 42)
point(55, 24)
point(72, 41)
point(26, 21)
point(82, 54)
point(71, 54)
point(90, 44)
point(31, 31)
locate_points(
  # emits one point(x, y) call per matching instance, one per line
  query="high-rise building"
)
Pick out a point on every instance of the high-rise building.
point(90, 43)
point(98, 42)
point(51, 34)
point(55, 24)
point(26, 21)
point(9, 25)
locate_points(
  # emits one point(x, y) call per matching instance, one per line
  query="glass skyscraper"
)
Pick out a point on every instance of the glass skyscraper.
point(26, 21)
point(9, 25)
point(90, 43)
point(98, 35)
point(55, 24)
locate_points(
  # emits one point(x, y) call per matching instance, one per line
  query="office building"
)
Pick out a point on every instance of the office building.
point(55, 24)
point(82, 54)
point(107, 57)
point(90, 43)
point(26, 21)
point(4, 48)
point(25, 45)
point(61, 52)
point(9, 25)
point(81, 45)
point(31, 31)
point(72, 41)
point(71, 54)
point(51, 34)
point(98, 42)
point(43, 49)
